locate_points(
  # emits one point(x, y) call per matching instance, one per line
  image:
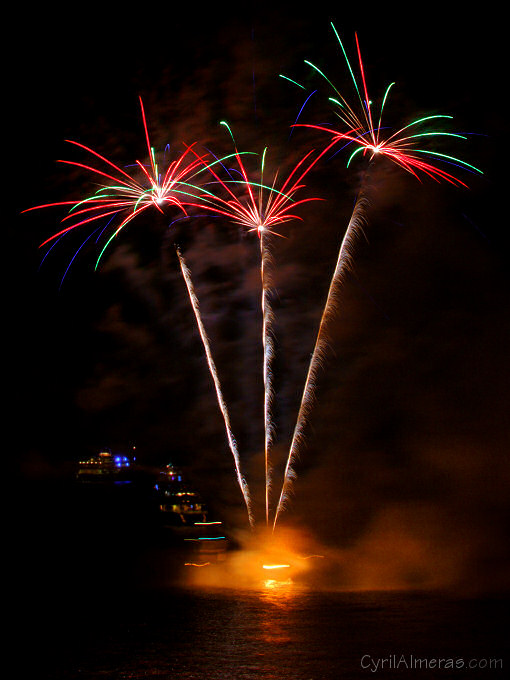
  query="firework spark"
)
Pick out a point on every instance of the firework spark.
point(400, 148)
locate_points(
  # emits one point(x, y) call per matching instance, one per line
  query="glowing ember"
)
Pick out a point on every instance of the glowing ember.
point(275, 566)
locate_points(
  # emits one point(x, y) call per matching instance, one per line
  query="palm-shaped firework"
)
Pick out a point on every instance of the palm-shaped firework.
point(124, 198)
point(369, 139)
point(260, 208)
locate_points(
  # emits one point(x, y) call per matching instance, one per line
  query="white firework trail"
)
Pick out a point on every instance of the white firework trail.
point(343, 264)
point(219, 394)
point(268, 353)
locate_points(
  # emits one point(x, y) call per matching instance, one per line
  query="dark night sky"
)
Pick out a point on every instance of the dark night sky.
point(408, 440)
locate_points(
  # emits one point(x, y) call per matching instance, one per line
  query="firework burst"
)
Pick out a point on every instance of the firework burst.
point(125, 197)
point(364, 130)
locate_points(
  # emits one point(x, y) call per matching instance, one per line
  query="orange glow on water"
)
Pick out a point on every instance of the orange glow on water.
point(265, 562)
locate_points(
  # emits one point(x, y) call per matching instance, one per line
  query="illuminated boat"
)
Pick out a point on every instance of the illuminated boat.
point(179, 505)
point(183, 512)
point(105, 466)
point(208, 541)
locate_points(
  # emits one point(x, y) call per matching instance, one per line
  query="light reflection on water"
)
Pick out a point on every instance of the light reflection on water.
point(279, 594)
point(280, 630)
point(272, 584)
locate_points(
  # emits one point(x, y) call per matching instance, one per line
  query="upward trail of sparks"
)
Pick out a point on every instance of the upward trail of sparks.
point(343, 263)
point(400, 148)
point(217, 385)
point(268, 354)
